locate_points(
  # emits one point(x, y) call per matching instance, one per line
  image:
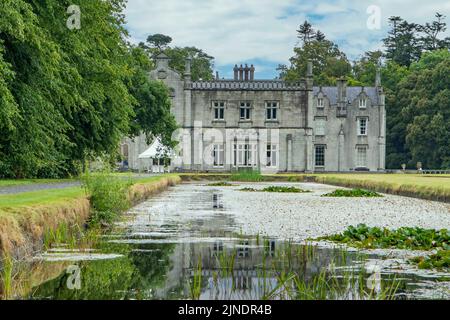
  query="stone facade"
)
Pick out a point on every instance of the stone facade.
point(272, 125)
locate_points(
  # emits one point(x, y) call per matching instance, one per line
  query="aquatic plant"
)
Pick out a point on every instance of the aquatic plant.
point(284, 189)
point(6, 277)
point(354, 193)
point(276, 189)
point(440, 260)
point(195, 286)
point(403, 238)
point(221, 184)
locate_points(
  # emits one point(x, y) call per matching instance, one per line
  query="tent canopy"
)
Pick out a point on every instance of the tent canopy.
point(155, 151)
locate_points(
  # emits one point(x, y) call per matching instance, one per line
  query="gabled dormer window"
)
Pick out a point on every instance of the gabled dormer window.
point(362, 103)
point(320, 103)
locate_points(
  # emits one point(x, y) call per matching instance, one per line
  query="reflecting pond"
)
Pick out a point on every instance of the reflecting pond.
point(160, 251)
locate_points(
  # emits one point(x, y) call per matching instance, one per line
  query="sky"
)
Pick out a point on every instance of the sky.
point(263, 32)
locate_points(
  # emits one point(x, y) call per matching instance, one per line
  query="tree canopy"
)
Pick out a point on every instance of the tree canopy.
point(328, 61)
point(202, 63)
point(68, 94)
point(415, 76)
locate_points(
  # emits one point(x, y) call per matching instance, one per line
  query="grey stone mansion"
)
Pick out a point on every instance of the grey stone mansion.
point(269, 125)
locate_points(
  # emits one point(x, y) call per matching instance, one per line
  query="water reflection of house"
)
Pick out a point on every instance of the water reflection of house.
point(246, 279)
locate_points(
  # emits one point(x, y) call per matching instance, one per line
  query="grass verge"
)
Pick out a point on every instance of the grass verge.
point(27, 219)
point(435, 188)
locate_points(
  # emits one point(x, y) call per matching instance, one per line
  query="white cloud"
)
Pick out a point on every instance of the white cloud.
point(246, 30)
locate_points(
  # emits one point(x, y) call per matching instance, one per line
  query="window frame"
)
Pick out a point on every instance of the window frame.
point(320, 103)
point(316, 163)
point(272, 108)
point(245, 155)
point(324, 128)
point(362, 105)
point(359, 123)
point(358, 162)
point(246, 107)
point(218, 154)
point(272, 155)
point(219, 110)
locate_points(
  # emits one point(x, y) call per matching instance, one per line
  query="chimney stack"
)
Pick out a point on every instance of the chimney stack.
point(217, 75)
point(252, 73)
point(342, 89)
point(309, 69)
point(378, 78)
point(241, 73)
point(246, 72)
point(236, 72)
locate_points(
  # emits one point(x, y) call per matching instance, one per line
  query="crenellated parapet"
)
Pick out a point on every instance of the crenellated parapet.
point(263, 85)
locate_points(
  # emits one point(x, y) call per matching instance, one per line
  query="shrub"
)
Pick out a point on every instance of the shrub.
point(108, 196)
point(248, 176)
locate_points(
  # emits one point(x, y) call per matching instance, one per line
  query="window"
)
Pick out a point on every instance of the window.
point(219, 110)
point(362, 103)
point(362, 126)
point(320, 103)
point(272, 110)
point(361, 157)
point(320, 156)
point(320, 126)
point(272, 155)
point(218, 155)
point(245, 110)
point(244, 155)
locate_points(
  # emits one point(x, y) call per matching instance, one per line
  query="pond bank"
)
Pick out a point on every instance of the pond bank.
point(24, 223)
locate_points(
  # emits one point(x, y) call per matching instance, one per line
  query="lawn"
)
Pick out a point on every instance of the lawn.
point(41, 197)
point(417, 180)
point(52, 196)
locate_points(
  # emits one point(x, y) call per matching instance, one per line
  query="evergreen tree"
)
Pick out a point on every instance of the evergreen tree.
point(402, 43)
point(202, 63)
point(306, 33)
point(431, 31)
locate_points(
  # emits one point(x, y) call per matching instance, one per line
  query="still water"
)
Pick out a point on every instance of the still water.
point(164, 250)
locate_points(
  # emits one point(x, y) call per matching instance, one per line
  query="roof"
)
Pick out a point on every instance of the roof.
point(352, 93)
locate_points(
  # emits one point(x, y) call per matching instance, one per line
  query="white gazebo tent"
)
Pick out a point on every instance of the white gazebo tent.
point(151, 159)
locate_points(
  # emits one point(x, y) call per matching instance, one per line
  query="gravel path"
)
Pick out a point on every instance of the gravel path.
point(284, 215)
point(37, 187)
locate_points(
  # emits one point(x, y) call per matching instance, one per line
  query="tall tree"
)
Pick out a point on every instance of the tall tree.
point(202, 63)
point(329, 62)
point(306, 33)
point(431, 34)
point(152, 114)
point(159, 41)
point(68, 95)
point(402, 42)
